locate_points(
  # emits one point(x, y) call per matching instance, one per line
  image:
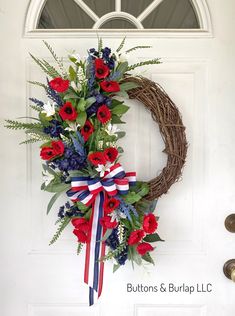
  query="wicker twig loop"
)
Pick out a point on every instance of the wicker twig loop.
point(165, 113)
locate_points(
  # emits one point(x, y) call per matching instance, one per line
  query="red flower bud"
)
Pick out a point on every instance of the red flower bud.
point(143, 248)
point(135, 237)
point(150, 224)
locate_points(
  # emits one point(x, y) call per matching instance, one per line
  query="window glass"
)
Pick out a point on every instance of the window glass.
point(118, 24)
point(101, 7)
point(172, 14)
point(135, 7)
point(64, 14)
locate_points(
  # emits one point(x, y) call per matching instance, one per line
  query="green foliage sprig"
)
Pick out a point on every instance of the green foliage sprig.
point(63, 223)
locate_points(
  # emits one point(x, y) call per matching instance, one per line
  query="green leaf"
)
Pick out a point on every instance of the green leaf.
point(71, 95)
point(120, 109)
point(57, 187)
point(121, 69)
point(44, 119)
point(78, 173)
point(90, 101)
point(81, 105)
point(131, 197)
point(79, 248)
point(115, 102)
point(122, 94)
point(50, 170)
point(120, 134)
point(82, 207)
point(116, 120)
point(152, 238)
point(120, 150)
point(81, 119)
point(107, 234)
point(116, 267)
point(128, 86)
point(147, 257)
point(72, 74)
point(52, 201)
point(141, 188)
point(152, 206)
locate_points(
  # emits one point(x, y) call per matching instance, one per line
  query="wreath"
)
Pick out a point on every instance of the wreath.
point(111, 213)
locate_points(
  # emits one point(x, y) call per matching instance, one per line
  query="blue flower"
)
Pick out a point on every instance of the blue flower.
point(113, 242)
point(54, 129)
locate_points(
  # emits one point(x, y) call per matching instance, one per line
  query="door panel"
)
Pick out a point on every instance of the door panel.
point(38, 280)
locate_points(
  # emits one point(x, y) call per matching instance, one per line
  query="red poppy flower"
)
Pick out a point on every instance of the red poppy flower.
point(101, 70)
point(58, 147)
point(135, 237)
point(47, 153)
point(143, 248)
point(110, 204)
point(106, 222)
point(59, 85)
point(81, 224)
point(97, 158)
point(87, 130)
point(68, 112)
point(82, 237)
point(150, 224)
point(110, 86)
point(111, 154)
point(103, 114)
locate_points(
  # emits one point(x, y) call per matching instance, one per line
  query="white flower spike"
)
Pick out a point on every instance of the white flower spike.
point(47, 177)
point(49, 108)
point(112, 130)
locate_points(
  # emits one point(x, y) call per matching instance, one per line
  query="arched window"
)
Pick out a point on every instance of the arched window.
point(114, 15)
point(123, 14)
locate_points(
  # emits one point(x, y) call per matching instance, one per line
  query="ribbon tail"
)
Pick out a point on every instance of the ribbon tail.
point(93, 274)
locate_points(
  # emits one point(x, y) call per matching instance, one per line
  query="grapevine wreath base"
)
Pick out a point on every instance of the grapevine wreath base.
point(107, 208)
point(166, 114)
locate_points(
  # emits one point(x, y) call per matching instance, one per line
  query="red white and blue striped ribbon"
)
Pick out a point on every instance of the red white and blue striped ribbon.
point(91, 191)
point(95, 250)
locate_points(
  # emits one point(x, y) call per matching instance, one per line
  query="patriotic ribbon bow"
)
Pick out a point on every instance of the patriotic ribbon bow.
point(91, 191)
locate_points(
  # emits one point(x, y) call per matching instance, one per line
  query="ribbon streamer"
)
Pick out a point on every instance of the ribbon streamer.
point(92, 191)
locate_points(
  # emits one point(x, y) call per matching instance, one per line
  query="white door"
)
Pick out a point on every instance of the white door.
point(197, 72)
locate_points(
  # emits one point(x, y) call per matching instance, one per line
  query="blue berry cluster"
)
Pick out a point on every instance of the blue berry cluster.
point(113, 242)
point(68, 210)
point(54, 129)
point(71, 160)
point(110, 61)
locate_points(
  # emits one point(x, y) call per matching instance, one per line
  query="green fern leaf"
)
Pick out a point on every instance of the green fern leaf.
point(57, 59)
point(36, 83)
point(62, 226)
point(136, 47)
point(121, 45)
point(144, 63)
point(79, 248)
point(36, 108)
point(18, 125)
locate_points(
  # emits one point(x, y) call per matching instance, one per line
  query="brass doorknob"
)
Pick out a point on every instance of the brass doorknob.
point(230, 223)
point(229, 269)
